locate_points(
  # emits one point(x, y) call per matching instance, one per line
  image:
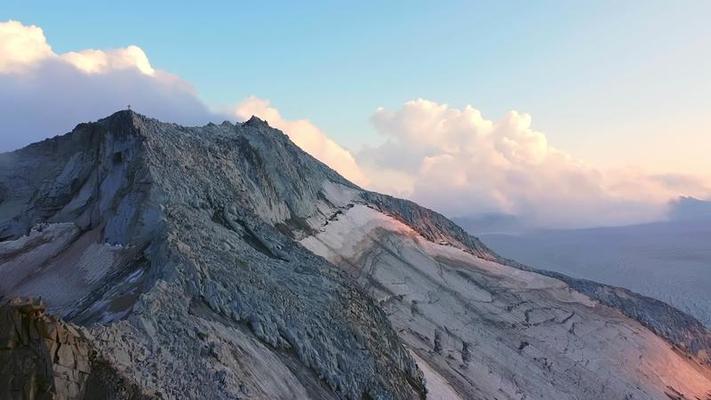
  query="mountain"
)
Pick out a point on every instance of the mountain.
point(223, 262)
point(689, 208)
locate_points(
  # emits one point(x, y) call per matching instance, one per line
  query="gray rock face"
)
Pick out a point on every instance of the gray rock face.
point(180, 251)
point(44, 358)
point(431, 225)
point(173, 245)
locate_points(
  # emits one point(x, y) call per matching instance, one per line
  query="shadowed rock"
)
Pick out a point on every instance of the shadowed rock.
point(42, 357)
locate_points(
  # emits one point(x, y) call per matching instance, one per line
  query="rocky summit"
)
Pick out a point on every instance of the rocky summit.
point(147, 260)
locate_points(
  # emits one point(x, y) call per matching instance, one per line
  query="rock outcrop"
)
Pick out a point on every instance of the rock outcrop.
point(223, 262)
point(42, 357)
point(39, 356)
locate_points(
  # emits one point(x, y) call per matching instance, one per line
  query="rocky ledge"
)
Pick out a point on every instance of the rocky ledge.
point(42, 357)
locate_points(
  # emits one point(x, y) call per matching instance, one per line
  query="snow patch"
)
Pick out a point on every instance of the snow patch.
point(339, 195)
point(340, 238)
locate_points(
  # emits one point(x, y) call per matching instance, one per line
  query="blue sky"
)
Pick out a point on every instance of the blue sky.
point(588, 72)
point(610, 84)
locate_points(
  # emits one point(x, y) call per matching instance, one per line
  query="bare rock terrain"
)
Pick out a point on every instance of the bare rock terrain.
point(223, 262)
point(42, 357)
point(482, 329)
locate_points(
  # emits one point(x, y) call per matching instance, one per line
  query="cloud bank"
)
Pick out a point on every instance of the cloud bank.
point(457, 161)
point(453, 160)
point(44, 93)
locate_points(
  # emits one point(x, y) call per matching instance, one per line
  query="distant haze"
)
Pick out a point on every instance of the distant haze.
point(689, 208)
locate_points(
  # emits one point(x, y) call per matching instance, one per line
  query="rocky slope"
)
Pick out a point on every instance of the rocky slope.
point(219, 262)
point(42, 357)
point(482, 329)
point(169, 245)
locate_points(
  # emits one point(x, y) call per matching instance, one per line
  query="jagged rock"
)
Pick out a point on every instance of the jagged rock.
point(151, 230)
point(27, 346)
point(199, 263)
point(42, 357)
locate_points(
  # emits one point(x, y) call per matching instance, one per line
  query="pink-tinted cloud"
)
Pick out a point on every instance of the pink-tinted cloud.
point(453, 160)
point(461, 163)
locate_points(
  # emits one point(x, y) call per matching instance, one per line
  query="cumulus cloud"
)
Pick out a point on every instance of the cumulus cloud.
point(458, 162)
point(100, 61)
point(305, 135)
point(21, 46)
point(453, 160)
point(44, 93)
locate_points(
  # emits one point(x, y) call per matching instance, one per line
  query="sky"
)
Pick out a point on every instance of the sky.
point(565, 113)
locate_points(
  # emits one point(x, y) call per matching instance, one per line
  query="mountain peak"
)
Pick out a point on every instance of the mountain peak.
point(689, 208)
point(206, 215)
point(248, 266)
point(256, 121)
point(125, 116)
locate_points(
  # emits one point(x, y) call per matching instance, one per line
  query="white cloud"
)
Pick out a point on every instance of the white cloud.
point(458, 162)
point(21, 46)
point(305, 135)
point(453, 160)
point(25, 47)
point(99, 61)
point(43, 93)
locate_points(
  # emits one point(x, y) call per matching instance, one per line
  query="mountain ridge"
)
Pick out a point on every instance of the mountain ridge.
point(187, 243)
point(115, 196)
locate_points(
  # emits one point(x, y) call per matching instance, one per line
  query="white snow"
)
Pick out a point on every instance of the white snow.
point(338, 194)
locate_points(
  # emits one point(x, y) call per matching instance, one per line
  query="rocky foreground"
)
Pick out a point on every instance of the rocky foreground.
point(223, 262)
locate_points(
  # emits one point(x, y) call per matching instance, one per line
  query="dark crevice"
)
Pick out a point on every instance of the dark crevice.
point(245, 233)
